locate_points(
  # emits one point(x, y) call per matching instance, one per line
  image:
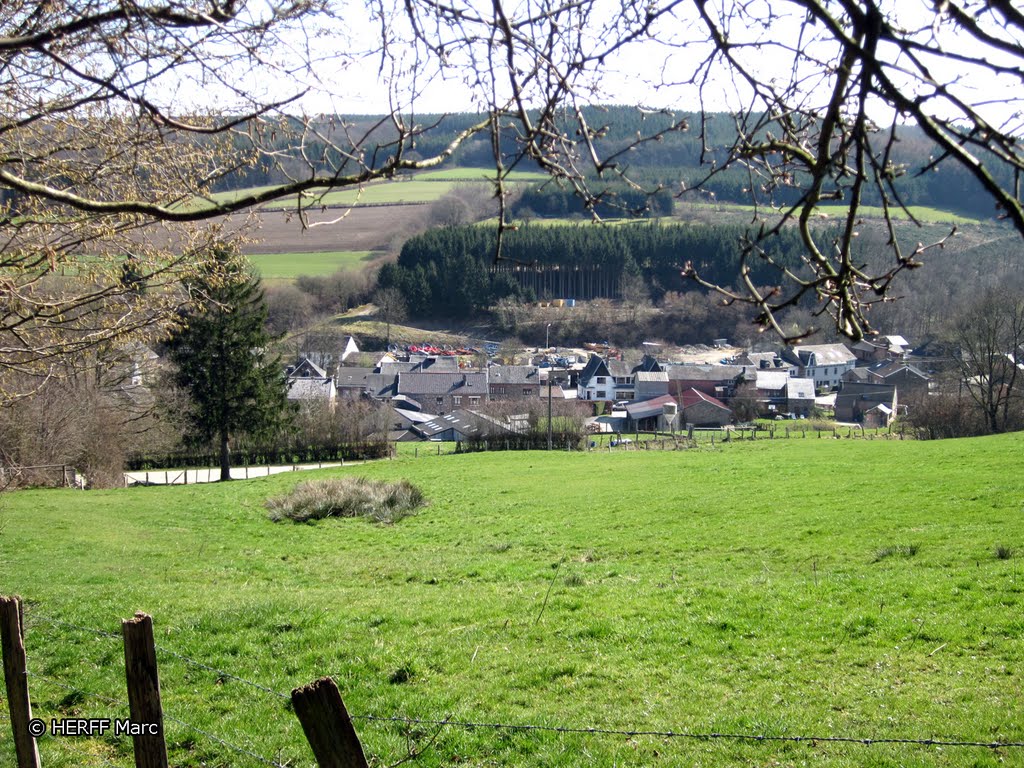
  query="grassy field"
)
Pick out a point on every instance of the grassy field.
point(828, 588)
point(288, 266)
point(922, 213)
point(421, 188)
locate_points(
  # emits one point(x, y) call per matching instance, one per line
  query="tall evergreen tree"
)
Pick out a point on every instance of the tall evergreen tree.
point(223, 360)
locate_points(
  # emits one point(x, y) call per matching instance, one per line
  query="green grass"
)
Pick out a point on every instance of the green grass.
point(288, 266)
point(924, 214)
point(762, 587)
point(422, 188)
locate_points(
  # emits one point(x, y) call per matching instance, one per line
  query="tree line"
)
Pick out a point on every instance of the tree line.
point(452, 271)
point(676, 166)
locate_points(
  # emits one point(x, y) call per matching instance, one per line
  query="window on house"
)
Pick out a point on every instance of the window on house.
point(474, 401)
point(527, 391)
point(440, 401)
point(602, 380)
point(457, 400)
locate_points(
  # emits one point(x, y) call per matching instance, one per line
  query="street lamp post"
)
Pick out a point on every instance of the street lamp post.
point(547, 332)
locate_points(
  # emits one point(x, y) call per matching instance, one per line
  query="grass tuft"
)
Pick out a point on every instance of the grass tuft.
point(905, 550)
point(380, 501)
point(1003, 552)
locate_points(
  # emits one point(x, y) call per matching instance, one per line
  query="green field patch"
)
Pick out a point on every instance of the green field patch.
point(741, 589)
point(288, 266)
point(922, 213)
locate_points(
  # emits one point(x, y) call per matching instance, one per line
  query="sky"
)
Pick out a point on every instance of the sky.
point(351, 76)
point(654, 71)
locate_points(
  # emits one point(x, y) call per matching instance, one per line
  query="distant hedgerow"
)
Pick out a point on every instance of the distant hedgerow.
point(380, 501)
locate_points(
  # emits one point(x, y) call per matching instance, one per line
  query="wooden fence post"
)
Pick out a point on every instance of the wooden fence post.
point(16, 676)
point(327, 725)
point(144, 692)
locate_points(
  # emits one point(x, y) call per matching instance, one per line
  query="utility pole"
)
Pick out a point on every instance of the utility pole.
point(547, 337)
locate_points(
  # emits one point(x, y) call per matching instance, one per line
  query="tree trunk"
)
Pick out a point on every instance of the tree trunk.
point(225, 457)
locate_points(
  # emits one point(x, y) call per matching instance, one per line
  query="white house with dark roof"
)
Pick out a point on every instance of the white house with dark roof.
point(824, 363)
point(596, 381)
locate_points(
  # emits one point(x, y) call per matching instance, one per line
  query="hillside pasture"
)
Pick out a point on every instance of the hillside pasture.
point(288, 266)
point(825, 588)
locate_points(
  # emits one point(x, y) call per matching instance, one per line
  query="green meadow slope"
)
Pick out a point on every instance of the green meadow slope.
point(826, 588)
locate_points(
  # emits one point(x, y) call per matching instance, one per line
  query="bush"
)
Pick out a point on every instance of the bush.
point(382, 502)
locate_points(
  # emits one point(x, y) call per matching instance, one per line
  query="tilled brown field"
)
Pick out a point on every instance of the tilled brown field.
point(366, 228)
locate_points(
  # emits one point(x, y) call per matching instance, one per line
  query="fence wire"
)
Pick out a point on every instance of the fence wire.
point(57, 623)
point(228, 744)
point(76, 689)
point(710, 736)
point(223, 674)
point(526, 727)
point(115, 702)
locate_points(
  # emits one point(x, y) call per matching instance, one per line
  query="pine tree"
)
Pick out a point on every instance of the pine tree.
point(224, 363)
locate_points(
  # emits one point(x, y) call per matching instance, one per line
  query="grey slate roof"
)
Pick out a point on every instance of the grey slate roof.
point(646, 376)
point(619, 369)
point(772, 379)
point(442, 383)
point(350, 376)
point(310, 389)
point(707, 372)
point(306, 368)
point(513, 374)
point(381, 385)
point(800, 389)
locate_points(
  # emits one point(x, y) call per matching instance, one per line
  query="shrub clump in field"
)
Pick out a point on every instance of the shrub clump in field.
point(908, 550)
point(378, 500)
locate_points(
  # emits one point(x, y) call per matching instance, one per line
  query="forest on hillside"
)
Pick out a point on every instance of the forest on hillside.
point(452, 271)
point(688, 161)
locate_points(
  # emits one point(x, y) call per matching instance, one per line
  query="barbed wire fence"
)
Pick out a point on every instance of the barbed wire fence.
point(440, 724)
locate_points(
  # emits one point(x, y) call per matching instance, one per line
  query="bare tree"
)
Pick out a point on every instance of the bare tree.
point(391, 308)
point(990, 337)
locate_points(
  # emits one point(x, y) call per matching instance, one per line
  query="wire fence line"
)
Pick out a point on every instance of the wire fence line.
point(234, 747)
point(108, 700)
point(223, 674)
point(77, 689)
point(58, 623)
point(711, 736)
point(524, 727)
